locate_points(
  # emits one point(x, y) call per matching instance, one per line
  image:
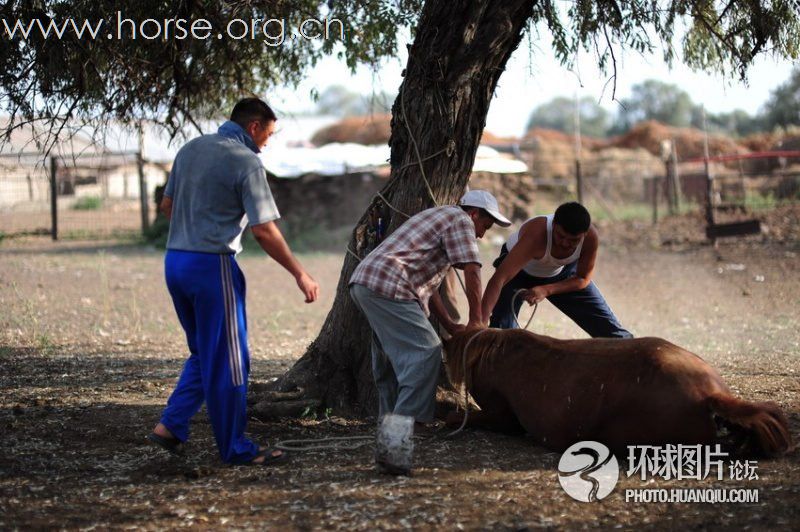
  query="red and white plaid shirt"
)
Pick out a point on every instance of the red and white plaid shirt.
point(412, 262)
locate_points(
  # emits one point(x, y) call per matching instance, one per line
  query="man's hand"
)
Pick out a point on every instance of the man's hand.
point(270, 238)
point(308, 286)
point(453, 327)
point(535, 295)
point(166, 207)
point(475, 325)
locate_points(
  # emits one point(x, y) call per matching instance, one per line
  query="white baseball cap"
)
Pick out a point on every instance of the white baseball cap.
point(487, 202)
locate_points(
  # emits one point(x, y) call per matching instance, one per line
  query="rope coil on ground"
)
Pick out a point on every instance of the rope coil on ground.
point(324, 444)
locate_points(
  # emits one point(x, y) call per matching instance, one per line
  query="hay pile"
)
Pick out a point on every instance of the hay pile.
point(376, 129)
point(762, 141)
point(617, 171)
point(788, 143)
point(549, 154)
point(495, 141)
point(540, 134)
point(369, 130)
point(515, 193)
point(618, 174)
point(651, 135)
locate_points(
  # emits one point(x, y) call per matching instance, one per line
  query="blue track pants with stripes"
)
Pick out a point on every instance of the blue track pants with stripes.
point(208, 292)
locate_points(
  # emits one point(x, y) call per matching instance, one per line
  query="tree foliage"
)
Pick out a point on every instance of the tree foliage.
point(69, 81)
point(338, 100)
point(559, 114)
point(737, 122)
point(655, 100)
point(669, 104)
point(783, 107)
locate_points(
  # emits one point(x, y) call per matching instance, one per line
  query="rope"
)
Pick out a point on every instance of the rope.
point(395, 209)
point(464, 359)
point(331, 443)
point(350, 251)
point(460, 280)
point(464, 386)
point(326, 444)
point(514, 313)
point(416, 148)
point(428, 158)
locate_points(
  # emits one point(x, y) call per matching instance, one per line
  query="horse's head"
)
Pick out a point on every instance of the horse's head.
point(465, 349)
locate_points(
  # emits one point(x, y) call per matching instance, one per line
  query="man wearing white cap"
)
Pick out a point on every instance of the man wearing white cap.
point(394, 285)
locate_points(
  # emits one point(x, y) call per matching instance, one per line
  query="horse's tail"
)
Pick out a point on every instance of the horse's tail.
point(763, 426)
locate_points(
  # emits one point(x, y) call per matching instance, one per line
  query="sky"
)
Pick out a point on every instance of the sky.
point(533, 77)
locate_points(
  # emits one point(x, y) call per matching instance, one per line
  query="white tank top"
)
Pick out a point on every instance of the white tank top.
point(547, 266)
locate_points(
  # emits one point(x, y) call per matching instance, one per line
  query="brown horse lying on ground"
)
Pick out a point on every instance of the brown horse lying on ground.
point(642, 391)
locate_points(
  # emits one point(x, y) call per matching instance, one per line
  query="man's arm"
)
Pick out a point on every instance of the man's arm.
point(472, 282)
point(271, 240)
point(166, 206)
point(583, 273)
point(530, 245)
point(440, 313)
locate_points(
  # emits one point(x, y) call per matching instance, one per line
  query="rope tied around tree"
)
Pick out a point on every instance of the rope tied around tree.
point(449, 150)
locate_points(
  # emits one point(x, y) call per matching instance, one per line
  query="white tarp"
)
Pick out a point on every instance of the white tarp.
point(336, 159)
point(331, 159)
point(288, 153)
point(490, 160)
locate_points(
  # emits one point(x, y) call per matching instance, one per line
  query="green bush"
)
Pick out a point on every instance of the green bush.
point(88, 203)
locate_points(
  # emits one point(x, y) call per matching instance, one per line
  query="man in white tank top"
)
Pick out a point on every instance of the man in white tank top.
point(552, 257)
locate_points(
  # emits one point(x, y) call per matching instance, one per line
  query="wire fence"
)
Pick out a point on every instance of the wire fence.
point(623, 186)
point(113, 194)
point(93, 195)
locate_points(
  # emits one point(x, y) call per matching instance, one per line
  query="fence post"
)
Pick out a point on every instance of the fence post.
point(709, 199)
point(669, 190)
point(579, 180)
point(709, 182)
point(53, 200)
point(655, 184)
point(143, 196)
point(676, 177)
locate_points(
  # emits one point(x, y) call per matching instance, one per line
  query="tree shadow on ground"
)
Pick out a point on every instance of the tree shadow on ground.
point(131, 249)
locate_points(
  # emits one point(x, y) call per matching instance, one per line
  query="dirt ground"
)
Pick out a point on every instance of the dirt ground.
point(90, 348)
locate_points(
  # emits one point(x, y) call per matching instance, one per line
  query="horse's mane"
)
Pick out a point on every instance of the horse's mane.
point(483, 346)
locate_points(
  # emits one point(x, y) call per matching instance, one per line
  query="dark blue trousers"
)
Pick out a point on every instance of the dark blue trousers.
point(586, 307)
point(208, 292)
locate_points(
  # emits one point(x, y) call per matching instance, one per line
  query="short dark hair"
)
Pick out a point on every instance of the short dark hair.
point(573, 218)
point(248, 109)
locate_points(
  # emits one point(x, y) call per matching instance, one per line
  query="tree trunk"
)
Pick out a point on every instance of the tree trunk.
point(460, 50)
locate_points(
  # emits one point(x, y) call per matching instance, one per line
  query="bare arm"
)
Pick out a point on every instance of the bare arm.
point(583, 272)
point(440, 312)
point(166, 206)
point(271, 240)
point(472, 282)
point(529, 246)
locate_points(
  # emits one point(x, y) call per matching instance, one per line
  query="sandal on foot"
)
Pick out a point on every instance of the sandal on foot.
point(171, 445)
point(269, 457)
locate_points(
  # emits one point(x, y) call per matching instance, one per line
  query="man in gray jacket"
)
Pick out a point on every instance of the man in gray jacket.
point(217, 187)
